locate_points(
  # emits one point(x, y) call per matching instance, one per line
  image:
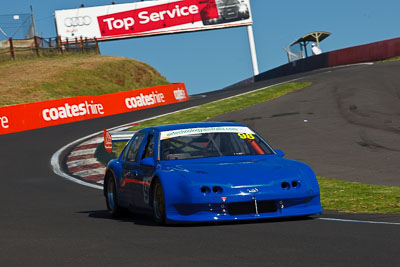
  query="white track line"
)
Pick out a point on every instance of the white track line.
point(358, 221)
point(83, 152)
point(81, 162)
point(86, 173)
point(94, 141)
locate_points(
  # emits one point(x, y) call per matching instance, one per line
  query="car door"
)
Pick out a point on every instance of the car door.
point(130, 172)
point(145, 171)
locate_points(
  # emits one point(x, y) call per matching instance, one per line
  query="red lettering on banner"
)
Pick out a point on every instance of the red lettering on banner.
point(4, 122)
point(157, 17)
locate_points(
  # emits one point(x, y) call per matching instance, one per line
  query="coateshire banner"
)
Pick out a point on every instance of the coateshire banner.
point(53, 112)
point(151, 18)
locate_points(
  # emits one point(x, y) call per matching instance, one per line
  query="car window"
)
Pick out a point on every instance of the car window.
point(133, 150)
point(205, 145)
point(149, 149)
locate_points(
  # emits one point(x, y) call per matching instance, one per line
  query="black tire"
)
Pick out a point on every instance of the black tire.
point(111, 198)
point(158, 203)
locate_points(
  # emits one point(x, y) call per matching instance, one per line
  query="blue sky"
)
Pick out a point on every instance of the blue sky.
point(212, 60)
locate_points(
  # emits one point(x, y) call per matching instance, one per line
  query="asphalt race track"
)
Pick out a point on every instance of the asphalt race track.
point(351, 132)
point(346, 125)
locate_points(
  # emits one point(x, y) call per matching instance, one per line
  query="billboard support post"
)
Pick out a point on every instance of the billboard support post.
point(252, 50)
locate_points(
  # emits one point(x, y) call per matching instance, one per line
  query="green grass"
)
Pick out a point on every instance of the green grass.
point(45, 78)
point(335, 194)
point(104, 79)
point(391, 59)
point(213, 109)
point(357, 197)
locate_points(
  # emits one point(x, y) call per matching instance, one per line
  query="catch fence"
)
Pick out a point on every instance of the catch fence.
point(13, 49)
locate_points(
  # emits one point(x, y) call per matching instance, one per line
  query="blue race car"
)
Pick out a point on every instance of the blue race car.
point(211, 171)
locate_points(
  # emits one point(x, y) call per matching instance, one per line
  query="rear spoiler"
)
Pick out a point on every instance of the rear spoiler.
point(121, 136)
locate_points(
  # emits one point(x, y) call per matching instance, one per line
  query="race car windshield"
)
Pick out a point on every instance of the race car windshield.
point(204, 145)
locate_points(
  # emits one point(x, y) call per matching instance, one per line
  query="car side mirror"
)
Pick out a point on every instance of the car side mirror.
point(279, 152)
point(148, 162)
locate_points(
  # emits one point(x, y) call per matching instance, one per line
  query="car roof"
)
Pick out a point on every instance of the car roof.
point(171, 127)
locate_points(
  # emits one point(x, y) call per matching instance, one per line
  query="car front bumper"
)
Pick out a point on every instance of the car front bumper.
point(250, 209)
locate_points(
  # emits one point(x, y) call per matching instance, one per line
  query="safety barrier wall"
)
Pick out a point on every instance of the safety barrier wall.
point(54, 112)
point(352, 55)
point(365, 53)
point(298, 66)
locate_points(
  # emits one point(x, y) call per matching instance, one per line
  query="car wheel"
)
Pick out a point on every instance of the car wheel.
point(158, 203)
point(111, 198)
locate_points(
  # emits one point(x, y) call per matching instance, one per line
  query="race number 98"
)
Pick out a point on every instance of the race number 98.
point(246, 136)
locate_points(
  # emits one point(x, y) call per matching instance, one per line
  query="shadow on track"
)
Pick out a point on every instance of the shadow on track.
point(146, 219)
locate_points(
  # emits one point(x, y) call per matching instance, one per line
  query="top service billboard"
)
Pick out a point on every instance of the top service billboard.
point(151, 18)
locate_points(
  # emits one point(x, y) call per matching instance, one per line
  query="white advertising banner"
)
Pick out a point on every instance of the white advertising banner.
point(151, 18)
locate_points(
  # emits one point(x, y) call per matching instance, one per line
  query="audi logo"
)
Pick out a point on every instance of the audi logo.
point(77, 21)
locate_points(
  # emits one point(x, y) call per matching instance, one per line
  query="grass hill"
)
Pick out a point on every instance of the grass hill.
point(26, 81)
